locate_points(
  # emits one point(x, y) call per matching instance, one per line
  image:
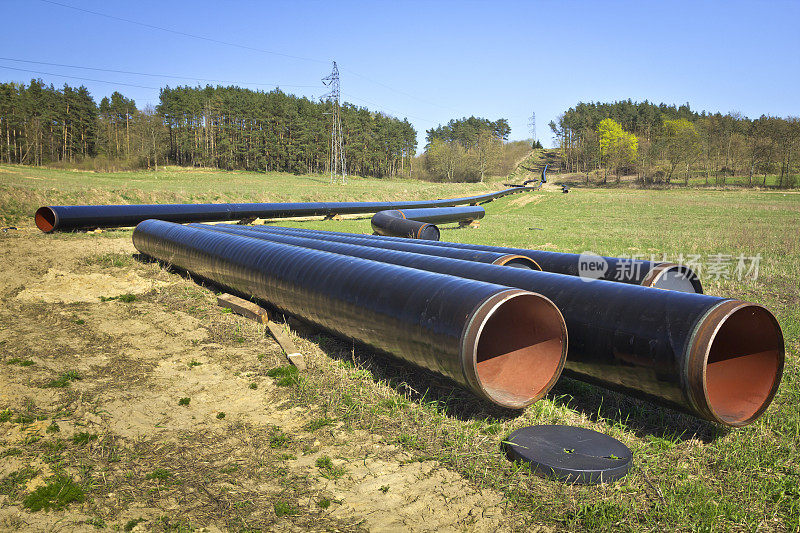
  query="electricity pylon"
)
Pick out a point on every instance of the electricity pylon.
point(532, 126)
point(337, 136)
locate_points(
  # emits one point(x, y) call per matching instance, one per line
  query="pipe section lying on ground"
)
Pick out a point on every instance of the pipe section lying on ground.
point(70, 217)
point(406, 245)
point(718, 359)
point(505, 344)
point(660, 275)
point(419, 223)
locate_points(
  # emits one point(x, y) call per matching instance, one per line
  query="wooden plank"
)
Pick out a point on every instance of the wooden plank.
point(243, 307)
point(255, 312)
point(286, 344)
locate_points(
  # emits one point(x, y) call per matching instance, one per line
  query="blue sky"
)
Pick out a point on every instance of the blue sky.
point(428, 61)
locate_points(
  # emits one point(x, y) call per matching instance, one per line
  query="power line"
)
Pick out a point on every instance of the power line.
point(153, 75)
point(245, 47)
point(398, 91)
point(184, 34)
point(380, 107)
point(79, 78)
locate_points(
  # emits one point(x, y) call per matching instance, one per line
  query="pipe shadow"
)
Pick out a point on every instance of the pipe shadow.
point(417, 384)
point(642, 418)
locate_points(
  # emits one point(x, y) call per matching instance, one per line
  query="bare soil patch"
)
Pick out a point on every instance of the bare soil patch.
point(160, 407)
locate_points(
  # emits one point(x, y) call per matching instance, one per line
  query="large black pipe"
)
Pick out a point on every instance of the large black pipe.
point(407, 245)
point(660, 275)
point(70, 217)
point(719, 359)
point(420, 223)
point(505, 344)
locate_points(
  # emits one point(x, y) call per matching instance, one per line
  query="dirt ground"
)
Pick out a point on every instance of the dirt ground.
point(243, 454)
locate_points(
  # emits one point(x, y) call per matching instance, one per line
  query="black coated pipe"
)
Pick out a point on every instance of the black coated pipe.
point(413, 246)
point(70, 217)
point(718, 359)
point(505, 344)
point(660, 275)
point(419, 223)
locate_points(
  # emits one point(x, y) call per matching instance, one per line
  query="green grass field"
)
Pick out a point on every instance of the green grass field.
point(688, 474)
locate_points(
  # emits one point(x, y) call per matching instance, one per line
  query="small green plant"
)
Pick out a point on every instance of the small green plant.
point(279, 440)
point(24, 418)
point(328, 469)
point(11, 452)
point(384, 489)
point(318, 423)
point(32, 438)
point(177, 526)
point(220, 415)
point(324, 503)
point(133, 523)
point(64, 379)
point(409, 441)
point(159, 474)
point(194, 363)
point(285, 376)
point(97, 522)
point(53, 427)
point(285, 509)
point(83, 438)
point(20, 362)
point(599, 515)
point(12, 484)
point(254, 385)
point(108, 260)
point(661, 442)
point(184, 401)
point(59, 492)
point(79, 321)
point(5, 415)
point(127, 298)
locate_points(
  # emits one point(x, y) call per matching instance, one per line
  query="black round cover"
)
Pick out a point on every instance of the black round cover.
point(571, 454)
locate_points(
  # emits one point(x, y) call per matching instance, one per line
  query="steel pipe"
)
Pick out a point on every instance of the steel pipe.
point(505, 344)
point(660, 275)
point(70, 217)
point(419, 223)
point(412, 246)
point(718, 359)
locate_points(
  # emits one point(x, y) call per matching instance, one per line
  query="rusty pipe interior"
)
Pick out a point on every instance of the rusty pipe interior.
point(518, 349)
point(739, 349)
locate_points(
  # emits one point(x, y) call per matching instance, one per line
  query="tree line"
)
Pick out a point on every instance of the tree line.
point(217, 127)
point(662, 143)
point(468, 149)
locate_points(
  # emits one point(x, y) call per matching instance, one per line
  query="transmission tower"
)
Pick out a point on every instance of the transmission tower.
point(338, 167)
point(532, 126)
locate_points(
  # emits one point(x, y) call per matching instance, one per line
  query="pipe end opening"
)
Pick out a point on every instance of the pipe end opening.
point(429, 232)
point(520, 350)
point(518, 261)
point(45, 219)
point(673, 277)
point(744, 365)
